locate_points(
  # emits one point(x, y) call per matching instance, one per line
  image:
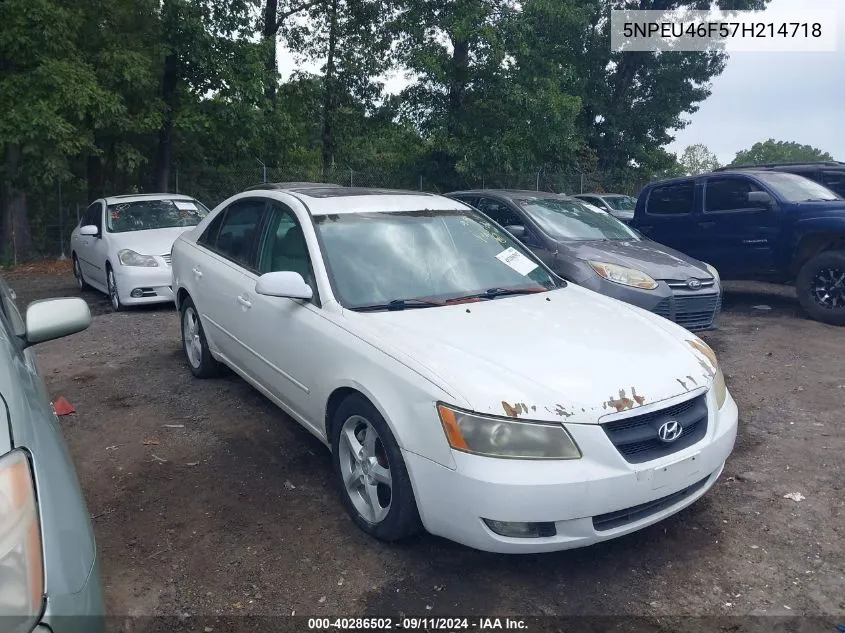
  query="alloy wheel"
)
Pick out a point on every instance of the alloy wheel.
point(365, 469)
point(828, 288)
point(191, 336)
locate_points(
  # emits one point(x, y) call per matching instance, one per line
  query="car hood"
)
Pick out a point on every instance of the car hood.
point(656, 260)
point(567, 355)
point(150, 242)
point(821, 209)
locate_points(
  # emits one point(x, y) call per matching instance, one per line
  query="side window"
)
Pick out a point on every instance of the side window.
point(500, 212)
point(91, 215)
point(238, 231)
point(283, 247)
point(209, 236)
point(674, 199)
point(728, 194)
point(470, 200)
point(835, 181)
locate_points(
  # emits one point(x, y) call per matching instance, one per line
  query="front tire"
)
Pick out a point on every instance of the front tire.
point(111, 286)
point(194, 344)
point(77, 273)
point(820, 287)
point(374, 483)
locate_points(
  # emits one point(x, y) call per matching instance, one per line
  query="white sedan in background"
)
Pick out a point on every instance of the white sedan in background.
point(121, 245)
point(460, 385)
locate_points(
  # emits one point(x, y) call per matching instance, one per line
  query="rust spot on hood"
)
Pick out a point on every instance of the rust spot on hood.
point(562, 412)
point(638, 399)
point(707, 352)
point(514, 411)
point(622, 403)
point(683, 384)
point(694, 381)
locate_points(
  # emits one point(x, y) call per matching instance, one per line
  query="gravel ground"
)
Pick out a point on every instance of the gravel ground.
point(208, 501)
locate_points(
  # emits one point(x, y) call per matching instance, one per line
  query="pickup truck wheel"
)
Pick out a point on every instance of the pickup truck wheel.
point(821, 287)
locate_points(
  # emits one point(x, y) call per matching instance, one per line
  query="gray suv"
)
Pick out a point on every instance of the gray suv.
point(49, 577)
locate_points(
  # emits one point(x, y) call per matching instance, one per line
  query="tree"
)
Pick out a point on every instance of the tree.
point(772, 151)
point(697, 159)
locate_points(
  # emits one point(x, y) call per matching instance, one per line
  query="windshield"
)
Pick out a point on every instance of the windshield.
point(621, 203)
point(571, 220)
point(377, 258)
point(796, 188)
point(154, 214)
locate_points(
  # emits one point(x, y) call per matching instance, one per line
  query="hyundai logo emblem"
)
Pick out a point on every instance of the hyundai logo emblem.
point(670, 431)
point(694, 284)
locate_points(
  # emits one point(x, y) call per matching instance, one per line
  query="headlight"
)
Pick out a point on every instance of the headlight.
point(131, 258)
point(719, 388)
point(504, 437)
point(623, 275)
point(21, 566)
point(712, 270)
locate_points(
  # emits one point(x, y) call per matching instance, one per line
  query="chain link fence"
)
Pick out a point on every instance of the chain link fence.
point(54, 215)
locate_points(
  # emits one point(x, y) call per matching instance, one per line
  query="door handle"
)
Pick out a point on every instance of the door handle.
point(244, 302)
point(706, 225)
point(197, 272)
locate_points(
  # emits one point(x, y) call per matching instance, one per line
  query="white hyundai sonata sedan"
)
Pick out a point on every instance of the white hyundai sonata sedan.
point(121, 245)
point(459, 384)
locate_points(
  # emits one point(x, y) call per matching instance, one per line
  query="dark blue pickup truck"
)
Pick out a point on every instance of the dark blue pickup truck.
point(756, 224)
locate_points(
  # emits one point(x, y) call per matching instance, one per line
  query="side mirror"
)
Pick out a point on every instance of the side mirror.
point(517, 231)
point(283, 284)
point(760, 199)
point(89, 229)
point(50, 319)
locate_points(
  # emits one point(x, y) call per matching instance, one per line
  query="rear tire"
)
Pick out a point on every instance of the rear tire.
point(194, 344)
point(373, 480)
point(820, 287)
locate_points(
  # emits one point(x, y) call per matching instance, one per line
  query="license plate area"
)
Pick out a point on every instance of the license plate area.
point(679, 472)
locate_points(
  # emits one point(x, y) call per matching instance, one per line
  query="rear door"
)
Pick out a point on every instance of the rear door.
point(225, 273)
point(671, 216)
point(741, 235)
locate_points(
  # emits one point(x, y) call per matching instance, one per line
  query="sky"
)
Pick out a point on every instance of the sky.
point(788, 96)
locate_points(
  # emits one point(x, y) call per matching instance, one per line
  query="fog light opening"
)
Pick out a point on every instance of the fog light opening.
point(516, 529)
point(135, 294)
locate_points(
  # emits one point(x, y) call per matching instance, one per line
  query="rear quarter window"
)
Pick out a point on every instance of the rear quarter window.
point(673, 199)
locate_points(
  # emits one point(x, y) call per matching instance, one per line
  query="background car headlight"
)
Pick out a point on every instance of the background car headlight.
point(131, 258)
point(712, 270)
point(21, 565)
point(506, 437)
point(623, 275)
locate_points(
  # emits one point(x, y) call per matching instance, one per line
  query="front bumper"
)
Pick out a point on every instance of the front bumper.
point(153, 284)
point(575, 495)
point(695, 310)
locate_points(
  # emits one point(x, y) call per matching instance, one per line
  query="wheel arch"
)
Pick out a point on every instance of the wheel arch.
point(813, 244)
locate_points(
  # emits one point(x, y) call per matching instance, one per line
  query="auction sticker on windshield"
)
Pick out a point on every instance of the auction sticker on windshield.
point(516, 260)
point(185, 206)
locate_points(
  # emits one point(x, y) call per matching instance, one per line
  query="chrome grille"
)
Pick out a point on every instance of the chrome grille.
point(166, 258)
point(637, 440)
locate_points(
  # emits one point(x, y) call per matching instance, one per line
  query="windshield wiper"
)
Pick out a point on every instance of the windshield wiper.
point(400, 304)
point(492, 293)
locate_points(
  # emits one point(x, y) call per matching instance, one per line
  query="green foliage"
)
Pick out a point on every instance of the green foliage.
point(697, 159)
point(772, 151)
point(108, 96)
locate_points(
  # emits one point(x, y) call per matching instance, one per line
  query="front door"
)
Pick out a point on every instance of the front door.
point(742, 234)
point(287, 339)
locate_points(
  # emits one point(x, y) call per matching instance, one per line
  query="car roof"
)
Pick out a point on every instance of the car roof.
point(138, 197)
point(730, 172)
point(795, 165)
point(326, 199)
point(509, 194)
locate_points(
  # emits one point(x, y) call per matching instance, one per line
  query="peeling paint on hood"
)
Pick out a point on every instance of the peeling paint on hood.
point(570, 355)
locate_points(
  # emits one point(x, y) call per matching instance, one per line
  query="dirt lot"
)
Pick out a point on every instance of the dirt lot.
point(243, 518)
